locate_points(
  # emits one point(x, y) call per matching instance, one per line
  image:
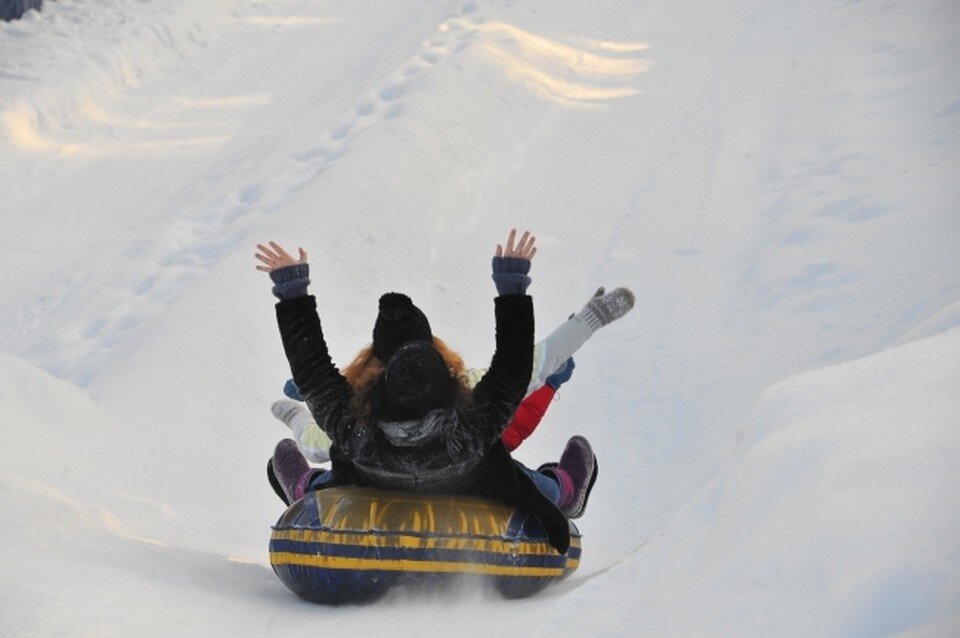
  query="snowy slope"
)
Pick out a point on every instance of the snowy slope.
point(776, 421)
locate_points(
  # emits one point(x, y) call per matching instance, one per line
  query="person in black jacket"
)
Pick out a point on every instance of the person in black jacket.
point(417, 427)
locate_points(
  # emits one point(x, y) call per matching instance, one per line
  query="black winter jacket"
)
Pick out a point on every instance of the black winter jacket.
point(464, 454)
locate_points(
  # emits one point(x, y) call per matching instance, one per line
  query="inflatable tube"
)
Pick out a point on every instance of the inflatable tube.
point(351, 544)
point(14, 9)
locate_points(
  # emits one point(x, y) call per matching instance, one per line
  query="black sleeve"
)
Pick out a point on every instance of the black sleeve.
point(325, 391)
point(503, 387)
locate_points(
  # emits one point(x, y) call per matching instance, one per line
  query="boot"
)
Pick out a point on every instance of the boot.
point(291, 470)
point(274, 483)
point(576, 473)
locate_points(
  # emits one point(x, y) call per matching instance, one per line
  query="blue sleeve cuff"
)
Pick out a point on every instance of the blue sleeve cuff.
point(290, 281)
point(510, 275)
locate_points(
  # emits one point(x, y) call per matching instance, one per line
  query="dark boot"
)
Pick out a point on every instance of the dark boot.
point(274, 483)
point(291, 470)
point(576, 473)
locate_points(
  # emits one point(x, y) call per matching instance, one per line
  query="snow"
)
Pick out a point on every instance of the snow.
point(776, 421)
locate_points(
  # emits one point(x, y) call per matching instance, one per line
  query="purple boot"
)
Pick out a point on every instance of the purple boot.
point(576, 473)
point(291, 469)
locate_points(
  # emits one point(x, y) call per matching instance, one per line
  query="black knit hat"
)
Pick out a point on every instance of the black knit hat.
point(417, 380)
point(398, 322)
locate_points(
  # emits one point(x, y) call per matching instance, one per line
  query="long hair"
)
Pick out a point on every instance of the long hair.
point(366, 371)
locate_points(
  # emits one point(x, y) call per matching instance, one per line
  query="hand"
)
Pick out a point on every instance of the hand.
point(276, 257)
point(523, 250)
point(561, 375)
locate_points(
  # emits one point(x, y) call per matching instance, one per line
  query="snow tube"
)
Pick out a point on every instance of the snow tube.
point(352, 544)
point(14, 9)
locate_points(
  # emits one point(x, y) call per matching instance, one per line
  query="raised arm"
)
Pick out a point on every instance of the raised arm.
point(511, 264)
point(502, 388)
point(324, 389)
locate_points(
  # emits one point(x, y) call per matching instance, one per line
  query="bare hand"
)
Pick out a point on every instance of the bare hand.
point(524, 249)
point(276, 257)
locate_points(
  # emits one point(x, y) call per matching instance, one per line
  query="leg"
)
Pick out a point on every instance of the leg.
point(544, 482)
point(312, 441)
point(319, 480)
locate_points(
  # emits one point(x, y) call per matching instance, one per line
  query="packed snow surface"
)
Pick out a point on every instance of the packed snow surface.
point(776, 421)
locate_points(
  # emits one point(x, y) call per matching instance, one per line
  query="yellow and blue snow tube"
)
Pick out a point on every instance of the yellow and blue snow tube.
point(351, 544)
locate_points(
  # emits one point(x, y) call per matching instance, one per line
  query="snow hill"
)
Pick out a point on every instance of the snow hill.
point(776, 421)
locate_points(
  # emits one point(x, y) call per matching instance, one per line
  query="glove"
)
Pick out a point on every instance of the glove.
point(562, 375)
point(605, 307)
point(292, 391)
